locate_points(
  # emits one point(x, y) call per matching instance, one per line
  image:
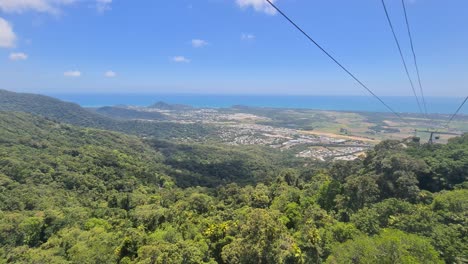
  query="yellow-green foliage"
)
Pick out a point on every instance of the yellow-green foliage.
point(80, 195)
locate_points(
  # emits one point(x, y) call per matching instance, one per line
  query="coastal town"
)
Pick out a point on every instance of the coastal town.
point(234, 128)
point(316, 147)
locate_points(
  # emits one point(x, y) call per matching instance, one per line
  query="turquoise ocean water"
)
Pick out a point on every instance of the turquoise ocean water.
point(442, 105)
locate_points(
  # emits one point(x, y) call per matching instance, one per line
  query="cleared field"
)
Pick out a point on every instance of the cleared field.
point(327, 134)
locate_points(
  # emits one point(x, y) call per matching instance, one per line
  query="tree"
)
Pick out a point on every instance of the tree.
point(262, 239)
point(390, 247)
point(359, 190)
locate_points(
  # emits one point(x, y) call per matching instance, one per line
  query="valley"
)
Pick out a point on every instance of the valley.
point(314, 134)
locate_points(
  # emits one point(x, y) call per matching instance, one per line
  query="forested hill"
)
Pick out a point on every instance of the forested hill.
point(187, 164)
point(80, 195)
point(51, 108)
point(124, 113)
point(74, 114)
point(166, 106)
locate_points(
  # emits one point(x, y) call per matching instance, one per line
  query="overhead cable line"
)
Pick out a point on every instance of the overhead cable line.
point(414, 57)
point(335, 60)
point(456, 112)
point(401, 55)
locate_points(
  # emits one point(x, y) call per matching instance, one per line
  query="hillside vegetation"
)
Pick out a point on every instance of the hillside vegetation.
point(82, 195)
point(125, 113)
point(74, 114)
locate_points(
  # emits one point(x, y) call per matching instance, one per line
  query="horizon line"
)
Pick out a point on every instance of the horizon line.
point(228, 94)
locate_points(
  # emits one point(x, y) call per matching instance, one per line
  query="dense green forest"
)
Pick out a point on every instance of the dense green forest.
point(82, 195)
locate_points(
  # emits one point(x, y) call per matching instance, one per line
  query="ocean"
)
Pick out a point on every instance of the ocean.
point(440, 105)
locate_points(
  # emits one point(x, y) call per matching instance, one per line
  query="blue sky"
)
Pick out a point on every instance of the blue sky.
point(228, 46)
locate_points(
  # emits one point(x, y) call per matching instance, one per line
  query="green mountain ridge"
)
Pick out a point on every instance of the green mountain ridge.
point(76, 115)
point(125, 113)
point(51, 108)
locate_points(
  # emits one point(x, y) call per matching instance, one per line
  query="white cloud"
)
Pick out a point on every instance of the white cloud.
point(180, 59)
point(17, 56)
point(103, 5)
point(249, 36)
point(7, 36)
point(110, 74)
point(48, 6)
point(72, 74)
point(198, 43)
point(43, 6)
point(258, 5)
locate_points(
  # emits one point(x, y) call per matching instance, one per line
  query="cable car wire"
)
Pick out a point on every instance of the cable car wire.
point(401, 55)
point(414, 57)
point(335, 60)
point(456, 112)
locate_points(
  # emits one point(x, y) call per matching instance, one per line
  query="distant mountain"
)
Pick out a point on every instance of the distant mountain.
point(125, 113)
point(166, 106)
point(51, 108)
point(76, 115)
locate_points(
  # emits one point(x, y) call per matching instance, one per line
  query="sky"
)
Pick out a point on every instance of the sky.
point(229, 46)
